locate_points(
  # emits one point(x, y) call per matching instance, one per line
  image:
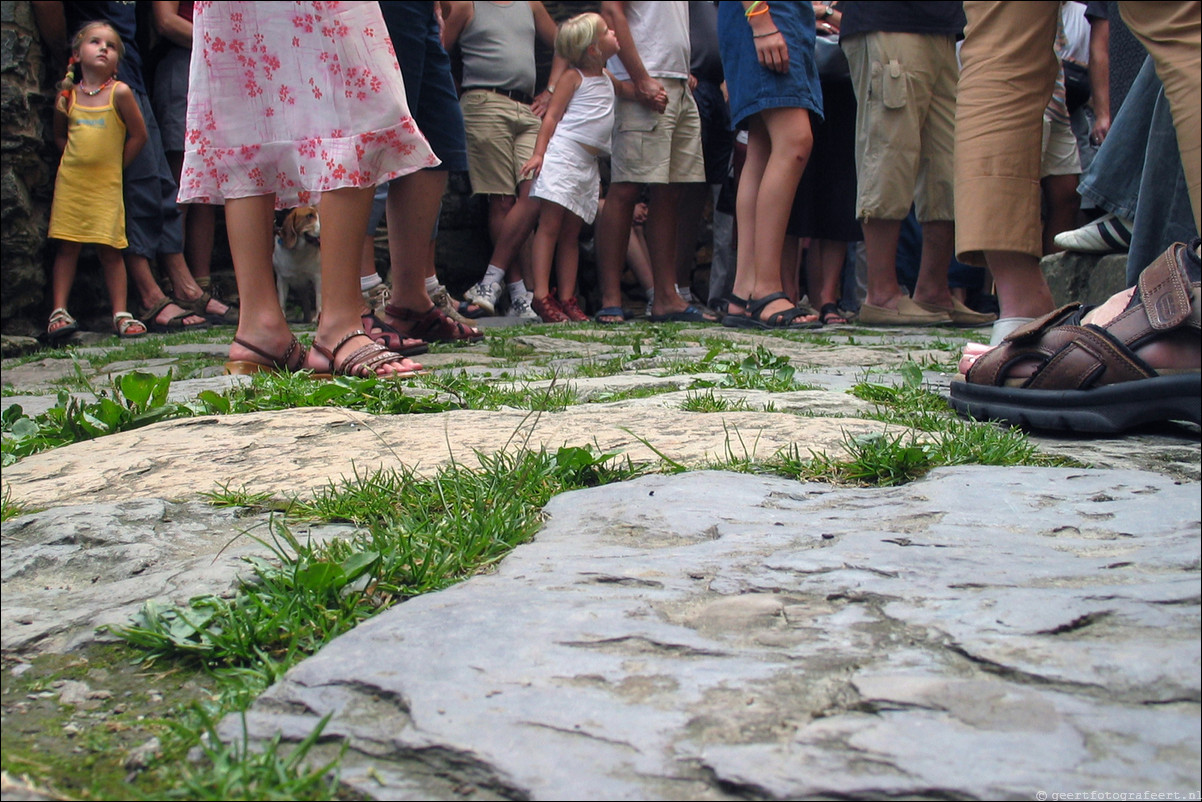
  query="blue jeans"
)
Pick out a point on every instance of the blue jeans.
point(1154, 194)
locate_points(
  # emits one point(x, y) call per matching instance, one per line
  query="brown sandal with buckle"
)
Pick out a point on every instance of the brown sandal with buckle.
point(434, 326)
point(363, 361)
point(1090, 378)
point(291, 361)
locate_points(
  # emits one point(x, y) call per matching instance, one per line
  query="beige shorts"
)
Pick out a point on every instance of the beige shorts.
point(1060, 153)
point(905, 87)
point(500, 138)
point(651, 148)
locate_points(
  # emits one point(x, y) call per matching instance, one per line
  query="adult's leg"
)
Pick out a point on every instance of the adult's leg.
point(250, 225)
point(690, 210)
point(790, 140)
point(1172, 34)
point(184, 284)
point(938, 247)
point(1163, 215)
point(344, 214)
point(880, 243)
point(413, 202)
point(511, 242)
point(824, 272)
point(661, 230)
point(1008, 71)
point(612, 236)
point(151, 294)
point(1060, 194)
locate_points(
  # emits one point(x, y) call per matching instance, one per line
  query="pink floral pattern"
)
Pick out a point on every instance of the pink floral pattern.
point(296, 99)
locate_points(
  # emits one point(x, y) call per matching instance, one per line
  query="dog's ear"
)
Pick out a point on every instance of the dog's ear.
point(288, 233)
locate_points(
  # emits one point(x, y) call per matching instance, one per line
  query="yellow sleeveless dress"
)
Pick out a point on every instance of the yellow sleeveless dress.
point(88, 205)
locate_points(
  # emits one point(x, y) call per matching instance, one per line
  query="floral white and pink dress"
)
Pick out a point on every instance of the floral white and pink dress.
point(294, 99)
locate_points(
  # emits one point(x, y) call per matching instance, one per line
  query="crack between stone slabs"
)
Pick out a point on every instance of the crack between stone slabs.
point(441, 761)
point(1077, 624)
point(641, 645)
point(581, 733)
point(1014, 674)
point(611, 579)
point(752, 791)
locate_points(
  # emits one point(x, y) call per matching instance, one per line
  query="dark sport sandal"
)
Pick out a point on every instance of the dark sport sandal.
point(176, 323)
point(434, 326)
point(291, 361)
point(784, 319)
point(200, 306)
point(363, 361)
point(830, 315)
point(1089, 378)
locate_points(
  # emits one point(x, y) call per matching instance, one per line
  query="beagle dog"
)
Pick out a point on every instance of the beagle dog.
point(297, 260)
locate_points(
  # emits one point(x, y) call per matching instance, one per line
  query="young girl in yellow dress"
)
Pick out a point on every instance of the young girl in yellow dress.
point(98, 127)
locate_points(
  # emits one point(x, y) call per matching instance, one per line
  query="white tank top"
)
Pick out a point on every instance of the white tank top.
point(589, 117)
point(661, 34)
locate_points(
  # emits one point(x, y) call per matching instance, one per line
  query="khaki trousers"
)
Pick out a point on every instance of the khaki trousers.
point(1008, 69)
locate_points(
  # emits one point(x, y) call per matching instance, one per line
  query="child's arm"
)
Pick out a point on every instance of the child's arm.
point(623, 89)
point(60, 129)
point(135, 126)
point(559, 104)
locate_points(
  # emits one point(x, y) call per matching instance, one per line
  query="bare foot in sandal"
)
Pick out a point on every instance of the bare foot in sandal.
point(356, 354)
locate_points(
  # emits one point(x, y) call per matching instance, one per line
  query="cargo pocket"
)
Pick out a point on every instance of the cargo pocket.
point(634, 116)
point(894, 85)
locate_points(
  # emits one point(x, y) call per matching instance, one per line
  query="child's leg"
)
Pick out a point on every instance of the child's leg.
point(567, 262)
point(115, 277)
point(550, 218)
point(63, 274)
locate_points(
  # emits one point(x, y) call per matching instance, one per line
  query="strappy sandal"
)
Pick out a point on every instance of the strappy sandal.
point(434, 326)
point(831, 315)
point(363, 361)
point(128, 327)
point(733, 320)
point(1089, 378)
point(200, 306)
point(784, 319)
point(392, 339)
point(176, 323)
point(68, 325)
point(291, 361)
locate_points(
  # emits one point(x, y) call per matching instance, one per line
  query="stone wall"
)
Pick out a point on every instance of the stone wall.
point(27, 170)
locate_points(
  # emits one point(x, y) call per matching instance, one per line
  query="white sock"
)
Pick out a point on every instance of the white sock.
point(685, 293)
point(1004, 325)
point(517, 288)
point(432, 285)
point(370, 282)
point(493, 275)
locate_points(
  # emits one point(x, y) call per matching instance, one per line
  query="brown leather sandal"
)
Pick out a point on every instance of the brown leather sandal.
point(1090, 378)
point(434, 326)
point(392, 339)
point(363, 361)
point(291, 361)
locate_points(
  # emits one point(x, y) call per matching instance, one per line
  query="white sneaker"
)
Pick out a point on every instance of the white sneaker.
point(485, 295)
point(1108, 234)
point(520, 308)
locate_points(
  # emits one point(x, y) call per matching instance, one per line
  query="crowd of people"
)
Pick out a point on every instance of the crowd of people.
point(932, 131)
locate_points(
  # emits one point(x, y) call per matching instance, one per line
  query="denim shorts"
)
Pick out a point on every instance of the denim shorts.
point(429, 88)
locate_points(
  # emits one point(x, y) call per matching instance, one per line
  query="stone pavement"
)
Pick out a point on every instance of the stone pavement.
point(982, 632)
